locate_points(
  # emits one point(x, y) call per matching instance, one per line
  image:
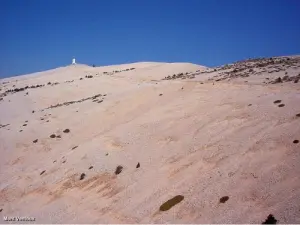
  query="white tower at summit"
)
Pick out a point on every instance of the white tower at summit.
point(73, 61)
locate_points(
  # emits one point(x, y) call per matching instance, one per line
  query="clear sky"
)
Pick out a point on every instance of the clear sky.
point(37, 35)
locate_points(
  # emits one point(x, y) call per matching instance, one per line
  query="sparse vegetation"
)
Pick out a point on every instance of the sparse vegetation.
point(180, 75)
point(171, 202)
point(270, 220)
point(245, 68)
point(224, 199)
point(66, 131)
point(117, 71)
point(73, 102)
point(118, 170)
point(82, 176)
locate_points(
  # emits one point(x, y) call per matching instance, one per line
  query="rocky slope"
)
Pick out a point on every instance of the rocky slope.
point(135, 143)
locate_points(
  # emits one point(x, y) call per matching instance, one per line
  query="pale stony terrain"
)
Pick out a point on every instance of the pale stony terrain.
point(207, 134)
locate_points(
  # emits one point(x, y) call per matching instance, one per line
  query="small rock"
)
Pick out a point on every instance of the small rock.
point(106, 154)
point(224, 199)
point(277, 80)
point(253, 175)
point(160, 94)
point(118, 170)
point(230, 174)
point(54, 161)
point(42, 172)
point(277, 101)
point(296, 141)
point(285, 78)
point(24, 125)
point(33, 111)
point(66, 131)
point(58, 136)
point(20, 130)
point(82, 176)
point(281, 105)
point(91, 167)
point(64, 161)
point(138, 165)
point(1, 210)
point(35, 141)
point(74, 147)
point(52, 136)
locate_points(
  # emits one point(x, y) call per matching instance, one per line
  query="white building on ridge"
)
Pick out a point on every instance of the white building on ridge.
point(73, 61)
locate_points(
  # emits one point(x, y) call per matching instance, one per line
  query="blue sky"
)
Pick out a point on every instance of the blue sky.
point(37, 35)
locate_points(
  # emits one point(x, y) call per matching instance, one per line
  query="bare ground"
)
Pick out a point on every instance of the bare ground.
point(224, 146)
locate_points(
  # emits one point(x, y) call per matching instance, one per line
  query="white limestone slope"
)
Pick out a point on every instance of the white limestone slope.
point(201, 141)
